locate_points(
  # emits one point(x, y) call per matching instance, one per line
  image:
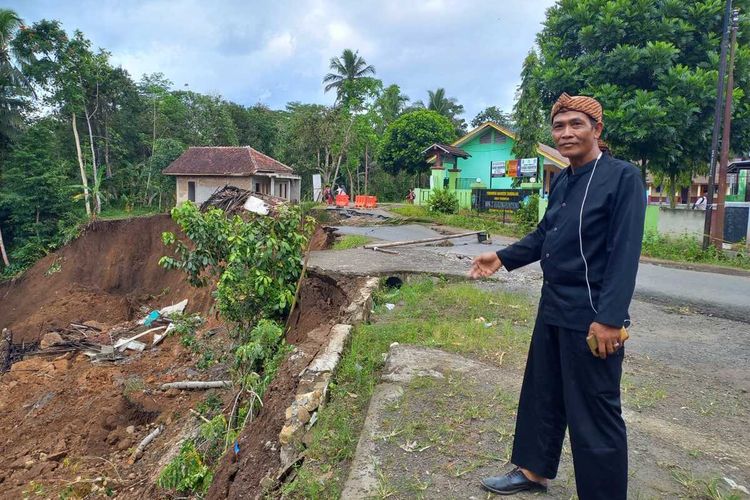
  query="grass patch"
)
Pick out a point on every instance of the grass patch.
point(443, 315)
point(350, 241)
point(685, 248)
point(639, 395)
point(464, 218)
point(112, 213)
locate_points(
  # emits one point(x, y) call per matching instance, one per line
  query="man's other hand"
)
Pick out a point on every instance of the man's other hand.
point(607, 338)
point(484, 264)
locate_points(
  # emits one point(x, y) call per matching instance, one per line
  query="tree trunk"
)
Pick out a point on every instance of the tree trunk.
point(98, 200)
point(367, 171)
point(2, 249)
point(644, 172)
point(672, 188)
point(351, 182)
point(106, 149)
point(84, 177)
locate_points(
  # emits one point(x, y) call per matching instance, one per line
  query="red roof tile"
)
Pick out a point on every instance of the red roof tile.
point(225, 160)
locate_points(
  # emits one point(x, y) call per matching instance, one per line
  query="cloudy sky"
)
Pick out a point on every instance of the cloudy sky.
point(278, 51)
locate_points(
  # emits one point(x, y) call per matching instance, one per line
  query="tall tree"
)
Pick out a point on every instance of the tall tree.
point(13, 85)
point(527, 112)
point(34, 192)
point(495, 115)
point(653, 67)
point(347, 68)
point(446, 106)
point(390, 104)
point(12, 89)
point(406, 138)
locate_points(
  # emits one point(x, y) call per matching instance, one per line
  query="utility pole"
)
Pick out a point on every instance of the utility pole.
point(717, 125)
point(717, 227)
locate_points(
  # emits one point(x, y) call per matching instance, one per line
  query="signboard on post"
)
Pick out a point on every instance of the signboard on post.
point(499, 201)
point(497, 169)
point(511, 168)
point(529, 167)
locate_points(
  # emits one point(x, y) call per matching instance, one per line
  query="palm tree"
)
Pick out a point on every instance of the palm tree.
point(347, 68)
point(446, 106)
point(12, 83)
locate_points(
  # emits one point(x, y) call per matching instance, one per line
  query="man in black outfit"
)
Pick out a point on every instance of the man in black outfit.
point(588, 244)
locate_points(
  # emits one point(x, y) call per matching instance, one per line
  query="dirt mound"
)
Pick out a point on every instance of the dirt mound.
point(106, 275)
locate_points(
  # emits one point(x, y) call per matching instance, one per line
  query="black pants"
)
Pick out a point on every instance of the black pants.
point(565, 385)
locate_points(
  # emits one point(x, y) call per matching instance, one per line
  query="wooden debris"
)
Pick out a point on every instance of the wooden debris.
point(380, 246)
point(123, 343)
point(197, 384)
point(146, 441)
point(232, 200)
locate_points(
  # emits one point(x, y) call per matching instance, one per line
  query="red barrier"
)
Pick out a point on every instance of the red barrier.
point(371, 201)
point(359, 201)
point(342, 200)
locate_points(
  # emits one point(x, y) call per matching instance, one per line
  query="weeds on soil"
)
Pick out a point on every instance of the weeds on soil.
point(449, 316)
point(351, 241)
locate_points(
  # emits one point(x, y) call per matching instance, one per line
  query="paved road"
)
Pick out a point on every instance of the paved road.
point(709, 293)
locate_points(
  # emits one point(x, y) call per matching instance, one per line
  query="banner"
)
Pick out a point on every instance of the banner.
point(498, 201)
point(497, 169)
point(529, 167)
point(511, 168)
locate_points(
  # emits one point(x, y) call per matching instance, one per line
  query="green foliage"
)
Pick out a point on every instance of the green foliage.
point(686, 248)
point(443, 201)
point(495, 115)
point(653, 66)
point(527, 111)
point(406, 138)
point(527, 216)
point(187, 472)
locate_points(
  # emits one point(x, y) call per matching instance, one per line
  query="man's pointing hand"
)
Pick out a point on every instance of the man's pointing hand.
point(484, 265)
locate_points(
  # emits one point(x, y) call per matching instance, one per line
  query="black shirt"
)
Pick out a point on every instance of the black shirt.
point(578, 291)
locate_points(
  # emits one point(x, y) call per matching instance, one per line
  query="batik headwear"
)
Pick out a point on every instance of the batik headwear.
point(585, 104)
point(582, 103)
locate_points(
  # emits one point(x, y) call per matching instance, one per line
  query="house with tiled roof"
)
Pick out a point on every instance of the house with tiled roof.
point(200, 171)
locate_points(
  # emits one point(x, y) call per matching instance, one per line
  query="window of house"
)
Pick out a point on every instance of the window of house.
point(191, 191)
point(486, 138)
point(499, 138)
point(257, 187)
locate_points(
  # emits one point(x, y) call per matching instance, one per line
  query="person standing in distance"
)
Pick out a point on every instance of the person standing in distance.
point(588, 244)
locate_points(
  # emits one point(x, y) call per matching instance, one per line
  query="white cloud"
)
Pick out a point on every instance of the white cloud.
point(251, 50)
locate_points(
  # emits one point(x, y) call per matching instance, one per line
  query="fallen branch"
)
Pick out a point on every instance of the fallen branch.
point(380, 246)
point(146, 441)
point(200, 416)
point(196, 384)
point(378, 249)
point(123, 343)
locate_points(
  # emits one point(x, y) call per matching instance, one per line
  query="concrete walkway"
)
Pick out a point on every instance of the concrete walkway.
point(439, 422)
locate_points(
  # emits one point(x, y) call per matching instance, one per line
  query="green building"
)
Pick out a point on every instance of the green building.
point(483, 158)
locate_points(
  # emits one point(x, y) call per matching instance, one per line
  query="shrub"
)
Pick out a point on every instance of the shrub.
point(187, 472)
point(527, 216)
point(443, 201)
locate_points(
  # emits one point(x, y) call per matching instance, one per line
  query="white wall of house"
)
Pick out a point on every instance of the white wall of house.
point(205, 186)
